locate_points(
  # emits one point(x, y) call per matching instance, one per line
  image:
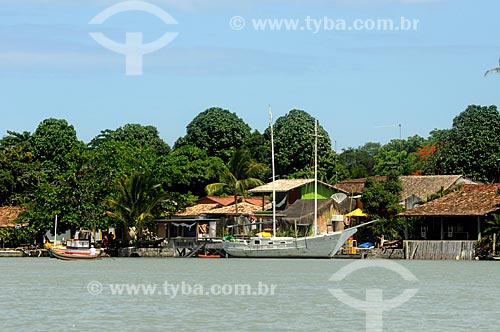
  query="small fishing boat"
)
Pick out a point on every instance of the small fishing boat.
point(72, 254)
point(76, 248)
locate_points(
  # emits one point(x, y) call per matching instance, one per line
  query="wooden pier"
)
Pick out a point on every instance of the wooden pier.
point(191, 247)
point(439, 249)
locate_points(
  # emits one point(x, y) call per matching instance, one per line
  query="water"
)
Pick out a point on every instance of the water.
point(42, 294)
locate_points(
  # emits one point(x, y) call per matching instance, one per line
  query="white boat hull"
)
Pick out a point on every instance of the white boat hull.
point(319, 246)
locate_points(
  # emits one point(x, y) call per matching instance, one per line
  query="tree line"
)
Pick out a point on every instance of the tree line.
point(51, 172)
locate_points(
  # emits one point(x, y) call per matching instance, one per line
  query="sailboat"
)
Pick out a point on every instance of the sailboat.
point(323, 245)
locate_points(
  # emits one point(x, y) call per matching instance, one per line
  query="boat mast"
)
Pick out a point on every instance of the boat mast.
point(315, 177)
point(273, 170)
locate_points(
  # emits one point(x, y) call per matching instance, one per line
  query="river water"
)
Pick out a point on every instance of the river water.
point(172, 294)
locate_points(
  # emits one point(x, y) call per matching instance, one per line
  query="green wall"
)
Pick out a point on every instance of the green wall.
point(307, 191)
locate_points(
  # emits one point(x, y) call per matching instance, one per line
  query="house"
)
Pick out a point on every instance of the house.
point(197, 210)
point(208, 204)
point(8, 216)
point(415, 188)
point(210, 211)
point(229, 200)
point(243, 208)
point(290, 190)
point(8, 219)
point(460, 215)
point(355, 186)
point(295, 202)
point(448, 227)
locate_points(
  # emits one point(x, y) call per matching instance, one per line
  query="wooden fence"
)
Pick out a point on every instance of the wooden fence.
point(439, 250)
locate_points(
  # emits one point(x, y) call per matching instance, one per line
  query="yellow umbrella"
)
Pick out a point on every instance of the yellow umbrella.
point(356, 213)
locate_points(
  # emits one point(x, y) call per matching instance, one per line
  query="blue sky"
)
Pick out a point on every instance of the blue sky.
point(359, 84)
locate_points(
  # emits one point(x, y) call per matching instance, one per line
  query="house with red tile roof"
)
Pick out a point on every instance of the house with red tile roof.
point(416, 187)
point(459, 215)
point(450, 225)
point(8, 215)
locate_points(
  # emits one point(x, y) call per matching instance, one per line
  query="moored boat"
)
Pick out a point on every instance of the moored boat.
point(76, 248)
point(317, 245)
point(209, 256)
point(72, 254)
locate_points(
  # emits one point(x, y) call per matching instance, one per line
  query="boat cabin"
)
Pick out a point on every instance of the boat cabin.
point(82, 240)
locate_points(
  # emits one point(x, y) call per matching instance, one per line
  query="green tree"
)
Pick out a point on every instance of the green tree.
point(294, 145)
point(493, 227)
point(135, 201)
point(484, 247)
point(217, 131)
point(104, 165)
point(186, 171)
point(381, 200)
point(50, 178)
point(259, 147)
point(136, 135)
point(400, 155)
point(238, 176)
point(16, 165)
point(359, 162)
point(55, 143)
point(471, 147)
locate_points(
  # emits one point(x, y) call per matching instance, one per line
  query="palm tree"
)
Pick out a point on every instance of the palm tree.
point(136, 199)
point(239, 175)
point(492, 229)
point(495, 70)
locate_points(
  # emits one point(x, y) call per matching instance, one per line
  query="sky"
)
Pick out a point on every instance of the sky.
point(328, 58)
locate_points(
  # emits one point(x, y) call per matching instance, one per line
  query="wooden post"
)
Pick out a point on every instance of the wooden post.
point(494, 243)
point(406, 228)
point(196, 232)
point(442, 228)
point(478, 228)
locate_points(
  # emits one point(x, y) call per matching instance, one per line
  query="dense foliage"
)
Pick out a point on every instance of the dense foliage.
point(241, 173)
point(51, 172)
point(471, 147)
point(135, 202)
point(381, 201)
point(216, 131)
point(294, 146)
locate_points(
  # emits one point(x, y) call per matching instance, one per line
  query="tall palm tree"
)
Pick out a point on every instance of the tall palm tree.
point(136, 199)
point(238, 176)
point(493, 70)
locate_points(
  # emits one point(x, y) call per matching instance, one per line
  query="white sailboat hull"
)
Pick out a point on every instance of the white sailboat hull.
point(318, 246)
